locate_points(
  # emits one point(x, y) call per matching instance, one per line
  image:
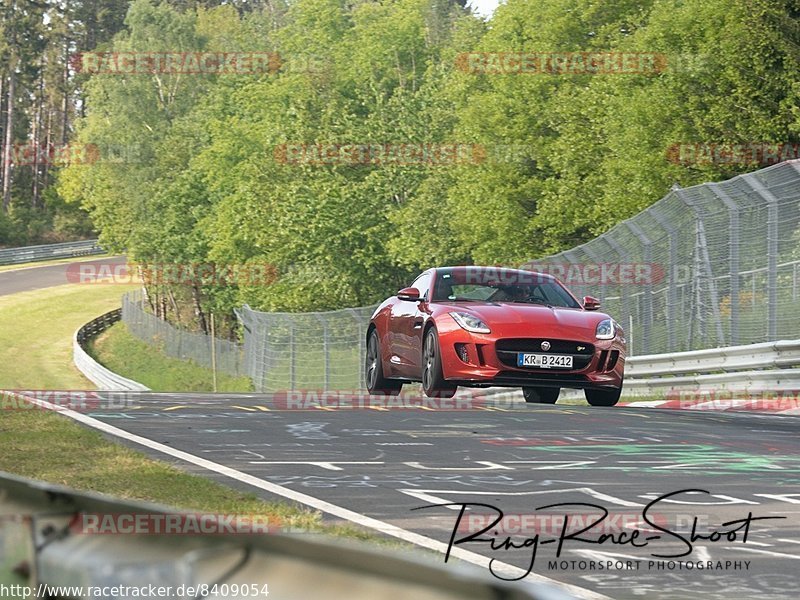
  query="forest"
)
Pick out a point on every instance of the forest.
point(349, 144)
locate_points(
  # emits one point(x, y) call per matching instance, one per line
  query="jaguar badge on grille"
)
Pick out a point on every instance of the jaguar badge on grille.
point(545, 346)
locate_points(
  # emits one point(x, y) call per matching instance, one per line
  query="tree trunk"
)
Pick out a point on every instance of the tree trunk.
point(48, 140)
point(2, 128)
point(198, 310)
point(38, 148)
point(175, 308)
point(65, 99)
point(7, 172)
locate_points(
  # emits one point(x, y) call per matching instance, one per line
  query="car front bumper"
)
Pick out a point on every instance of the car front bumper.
point(482, 360)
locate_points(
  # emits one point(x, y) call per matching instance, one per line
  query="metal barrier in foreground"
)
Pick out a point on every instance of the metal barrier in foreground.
point(45, 546)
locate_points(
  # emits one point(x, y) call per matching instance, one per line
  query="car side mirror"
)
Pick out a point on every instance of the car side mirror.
point(410, 293)
point(590, 303)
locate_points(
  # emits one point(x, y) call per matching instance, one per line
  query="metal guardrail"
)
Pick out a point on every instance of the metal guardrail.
point(15, 256)
point(754, 367)
point(42, 543)
point(103, 378)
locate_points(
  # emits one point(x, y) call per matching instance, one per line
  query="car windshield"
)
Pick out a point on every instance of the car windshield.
point(504, 286)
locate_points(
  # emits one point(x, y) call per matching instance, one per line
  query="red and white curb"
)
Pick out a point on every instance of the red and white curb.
point(782, 405)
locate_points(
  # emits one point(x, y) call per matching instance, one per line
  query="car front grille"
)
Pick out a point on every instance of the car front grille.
point(507, 350)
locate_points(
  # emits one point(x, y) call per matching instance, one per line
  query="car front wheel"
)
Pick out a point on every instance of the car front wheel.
point(603, 397)
point(537, 395)
point(433, 381)
point(377, 384)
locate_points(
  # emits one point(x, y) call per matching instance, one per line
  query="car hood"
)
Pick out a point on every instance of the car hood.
point(521, 316)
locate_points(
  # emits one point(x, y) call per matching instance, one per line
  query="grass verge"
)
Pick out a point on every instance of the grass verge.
point(48, 446)
point(36, 353)
point(36, 334)
point(123, 353)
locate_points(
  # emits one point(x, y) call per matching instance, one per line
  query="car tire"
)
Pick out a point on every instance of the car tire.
point(603, 397)
point(377, 384)
point(537, 395)
point(433, 381)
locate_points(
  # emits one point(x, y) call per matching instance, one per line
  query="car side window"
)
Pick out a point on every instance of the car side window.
point(423, 284)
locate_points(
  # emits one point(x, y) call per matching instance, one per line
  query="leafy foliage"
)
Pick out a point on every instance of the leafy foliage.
point(558, 158)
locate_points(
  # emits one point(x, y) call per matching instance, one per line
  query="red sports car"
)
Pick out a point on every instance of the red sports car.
point(490, 326)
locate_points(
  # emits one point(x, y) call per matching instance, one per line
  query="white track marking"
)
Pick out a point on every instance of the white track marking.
point(703, 554)
point(586, 490)
point(330, 466)
point(487, 466)
point(321, 505)
point(768, 552)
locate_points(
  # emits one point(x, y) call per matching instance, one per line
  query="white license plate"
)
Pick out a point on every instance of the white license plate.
point(544, 361)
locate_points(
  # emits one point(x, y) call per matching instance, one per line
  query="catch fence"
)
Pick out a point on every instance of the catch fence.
point(706, 266)
point(179, 343)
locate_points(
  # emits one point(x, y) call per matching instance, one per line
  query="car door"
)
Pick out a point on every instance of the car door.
point(405, 324)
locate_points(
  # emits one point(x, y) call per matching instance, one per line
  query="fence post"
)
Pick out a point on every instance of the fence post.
point(772, 252)
point(672, 288)
point(733, 241)
point(647, 317)
point(213, 354)
point(326, 359)
point(623, 290)
point(292, 357)
point(326, 352)
point(362, 347)
point(703, 262)
point(630, 335)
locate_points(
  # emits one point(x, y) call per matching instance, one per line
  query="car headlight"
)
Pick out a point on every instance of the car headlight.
point(606, 330)
point(470, 322)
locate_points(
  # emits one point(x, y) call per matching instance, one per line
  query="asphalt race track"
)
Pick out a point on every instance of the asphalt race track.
point(29, 278)
point(386, 463)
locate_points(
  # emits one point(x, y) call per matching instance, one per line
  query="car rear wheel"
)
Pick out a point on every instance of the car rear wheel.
point(433, 381)
point(377, 384)
point(603, 397)
point(537, 395)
